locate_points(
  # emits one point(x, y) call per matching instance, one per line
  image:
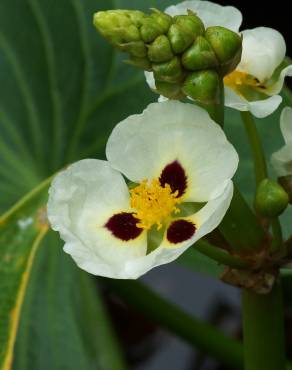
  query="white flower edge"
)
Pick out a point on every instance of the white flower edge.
point(80, 221)
point(142, 145)
point(282, 159)
point(259, 108)
point(210, 13)
point(263, 50)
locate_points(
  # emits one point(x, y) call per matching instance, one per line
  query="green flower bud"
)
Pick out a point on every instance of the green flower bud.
point(169, 71)
point(203, 86)
point(286, 183)
point(179, 39)
point(227, 46)
point(199, 56)
point(119, 26)
point(154, 25)
point(160, 50)
point(169, 90)
point(271, 199)
point(142, 63)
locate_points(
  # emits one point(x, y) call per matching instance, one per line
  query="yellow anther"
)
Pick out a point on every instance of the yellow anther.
point(237, 79)
point(153, 203)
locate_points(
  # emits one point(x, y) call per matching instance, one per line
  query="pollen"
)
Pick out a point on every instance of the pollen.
point(236, 79)
point(153, 203)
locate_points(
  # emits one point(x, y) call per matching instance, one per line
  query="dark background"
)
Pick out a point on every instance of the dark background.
point(263, 13)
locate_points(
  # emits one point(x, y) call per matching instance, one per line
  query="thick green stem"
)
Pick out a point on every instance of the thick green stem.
point(263, 329)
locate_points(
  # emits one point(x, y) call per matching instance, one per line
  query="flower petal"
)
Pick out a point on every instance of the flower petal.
point(263, 50)
point(211, 14)
point(282, 160)
point(82, 200)
point(143, 145)
point(206, 220)
point(286, 124)
point(277, 87)
point(259, 108)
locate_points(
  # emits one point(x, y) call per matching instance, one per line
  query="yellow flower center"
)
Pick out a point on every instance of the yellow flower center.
point(236, 79)
point(153, 203)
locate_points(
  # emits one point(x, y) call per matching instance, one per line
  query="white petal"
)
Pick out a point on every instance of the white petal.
point(263, 50)
point(82, 199)
point(150, 80)
point(282, 160)
point(277, 87)
point(286, 124)
point(211, 14)
point(142, 145)
point(207, 219)
point(259, 108)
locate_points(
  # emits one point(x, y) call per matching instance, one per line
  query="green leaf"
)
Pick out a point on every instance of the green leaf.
point(64, 317)
point(21, 232)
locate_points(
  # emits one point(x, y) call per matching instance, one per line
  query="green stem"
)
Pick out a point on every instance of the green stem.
point(263, 329)
point(220, 255)
point(261, 172)
point(256, 147)
point(200, 334)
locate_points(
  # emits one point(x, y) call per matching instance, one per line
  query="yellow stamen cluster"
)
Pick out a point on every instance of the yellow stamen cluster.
point(153, 203)
point(237, 78)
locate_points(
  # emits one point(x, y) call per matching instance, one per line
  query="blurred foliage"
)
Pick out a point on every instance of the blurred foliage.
point(62, 90)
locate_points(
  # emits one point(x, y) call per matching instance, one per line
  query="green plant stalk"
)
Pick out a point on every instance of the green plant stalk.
point(261, 172)
point(220, 255)
point(197, 333)
point(243, 236)
point(263, 330)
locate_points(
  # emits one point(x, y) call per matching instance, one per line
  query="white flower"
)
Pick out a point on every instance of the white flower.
point(282, 159)
point(175, 155)
point(258, 79)
point(255, 84)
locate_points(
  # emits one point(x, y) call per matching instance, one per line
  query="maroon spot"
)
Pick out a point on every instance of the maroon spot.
point(124, 226)
point(174, 175)
point(180, 230)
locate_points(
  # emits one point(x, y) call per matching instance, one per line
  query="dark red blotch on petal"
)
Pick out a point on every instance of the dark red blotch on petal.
point(180, 230)
point(124, 226)
point(174, 175)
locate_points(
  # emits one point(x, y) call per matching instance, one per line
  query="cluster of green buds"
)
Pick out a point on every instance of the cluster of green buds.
point(186, 58)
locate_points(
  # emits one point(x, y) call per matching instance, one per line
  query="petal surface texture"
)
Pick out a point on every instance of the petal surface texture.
point(211, 14)
point(83, 199)
point(263, 50)
point(142, 146)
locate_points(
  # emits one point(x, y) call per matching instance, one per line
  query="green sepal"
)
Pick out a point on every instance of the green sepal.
point(179, 39)
point(271, 199)
point(169, 71)
point(169, 90)
point(190, 23)
point(160, 50)
point(227, 46)
point(136, 49)
point(203, 86)
point(199, 56)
